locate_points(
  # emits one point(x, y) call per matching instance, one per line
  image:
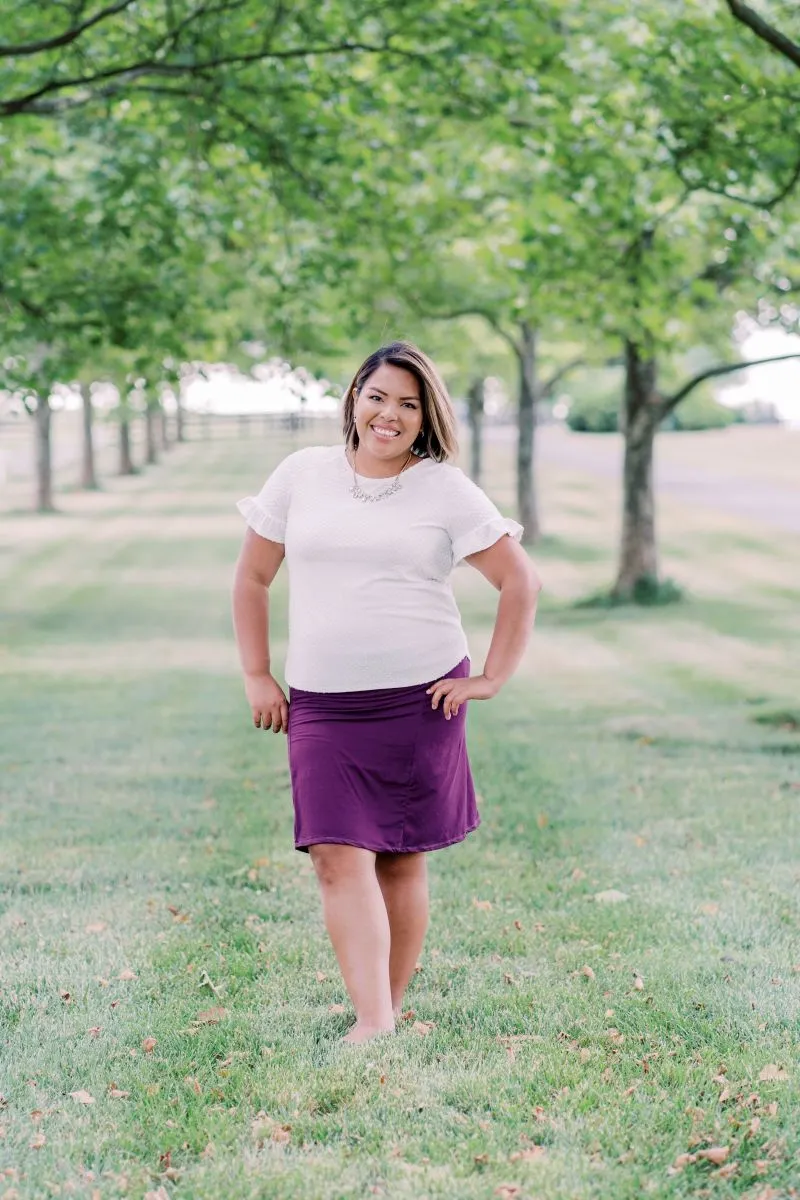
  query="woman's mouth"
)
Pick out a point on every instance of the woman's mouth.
point(384, 433)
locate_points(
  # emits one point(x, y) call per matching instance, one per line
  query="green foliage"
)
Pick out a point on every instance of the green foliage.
point(599, 413)
point(595, 413)
point(700, 411)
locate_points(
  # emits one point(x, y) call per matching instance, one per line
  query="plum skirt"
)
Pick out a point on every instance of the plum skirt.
point(380, 769)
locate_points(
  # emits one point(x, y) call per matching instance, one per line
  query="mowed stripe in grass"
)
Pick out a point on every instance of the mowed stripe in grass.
point(561, 1045)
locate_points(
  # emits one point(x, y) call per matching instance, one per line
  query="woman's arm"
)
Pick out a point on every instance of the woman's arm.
point(508, 568)
point(256, 568)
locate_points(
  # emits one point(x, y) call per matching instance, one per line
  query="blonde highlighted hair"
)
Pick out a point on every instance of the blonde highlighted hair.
point(437, 439)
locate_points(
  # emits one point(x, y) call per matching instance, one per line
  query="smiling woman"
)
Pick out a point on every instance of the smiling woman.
point(378, 665)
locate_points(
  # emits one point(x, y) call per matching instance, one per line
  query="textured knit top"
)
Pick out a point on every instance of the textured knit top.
point(370, 601)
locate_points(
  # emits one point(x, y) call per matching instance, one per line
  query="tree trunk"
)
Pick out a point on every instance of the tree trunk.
point(641, 415)
point(475, 399)
point(180, 433)
point(88, 473)
point(126, 466)
point(163, 428)
point(44, 456)
point(150, 433)
point(526, 481)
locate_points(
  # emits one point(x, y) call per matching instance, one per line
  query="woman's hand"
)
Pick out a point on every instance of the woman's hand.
point(454, 693)
point(268, 703)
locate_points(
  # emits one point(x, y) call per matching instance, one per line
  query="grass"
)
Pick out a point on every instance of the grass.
point(149, 879)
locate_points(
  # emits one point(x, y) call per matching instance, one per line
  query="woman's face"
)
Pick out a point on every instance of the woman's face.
point(388, 414)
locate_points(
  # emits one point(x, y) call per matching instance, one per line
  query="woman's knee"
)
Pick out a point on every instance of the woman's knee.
point(335, 863)
point(401, 866)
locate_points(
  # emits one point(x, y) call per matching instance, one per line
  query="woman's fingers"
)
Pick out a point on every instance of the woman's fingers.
point(438, 690)
point(275, 718)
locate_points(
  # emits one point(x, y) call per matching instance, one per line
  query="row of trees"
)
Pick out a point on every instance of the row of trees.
point(572, 186)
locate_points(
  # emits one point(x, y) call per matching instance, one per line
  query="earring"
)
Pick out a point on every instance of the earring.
point(418, 447)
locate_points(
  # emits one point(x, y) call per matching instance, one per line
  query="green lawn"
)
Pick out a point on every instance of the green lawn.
point(162, 951)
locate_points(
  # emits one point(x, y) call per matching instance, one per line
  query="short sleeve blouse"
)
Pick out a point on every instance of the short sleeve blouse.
point(370, 600)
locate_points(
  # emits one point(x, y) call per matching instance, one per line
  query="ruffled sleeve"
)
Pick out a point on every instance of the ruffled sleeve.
point(267, 512)
point(474, 522)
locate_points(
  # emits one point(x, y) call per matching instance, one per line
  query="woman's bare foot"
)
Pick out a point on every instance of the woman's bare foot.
point(364, 1033)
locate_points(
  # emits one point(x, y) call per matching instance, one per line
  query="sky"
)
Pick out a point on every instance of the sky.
point(778, 383)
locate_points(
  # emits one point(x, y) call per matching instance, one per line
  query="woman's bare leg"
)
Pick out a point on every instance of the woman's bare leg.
point(358, 926)
point(403, 880)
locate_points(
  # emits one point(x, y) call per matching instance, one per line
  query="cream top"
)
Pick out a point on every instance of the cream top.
point(370, 601)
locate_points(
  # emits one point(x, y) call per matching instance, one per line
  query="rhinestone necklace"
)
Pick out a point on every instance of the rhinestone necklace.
point(358, 493)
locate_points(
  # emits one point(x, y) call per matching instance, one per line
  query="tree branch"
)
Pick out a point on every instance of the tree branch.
point(65, 38)
point(668, 403)
point(116, 77)
point(547, 389)
point(768, 33)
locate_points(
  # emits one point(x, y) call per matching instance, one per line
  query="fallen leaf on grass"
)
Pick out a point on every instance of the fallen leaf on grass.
point(117, 1094)
point(615, 1036)
point(577, 875)
point(321, 976)
point(727, 1171)
point(484, 905)
point(710, 910)
point(194, 1083)
point(127, 974)
point(507, 1191)
point(37, 1141)
point(95, 1030)
point(66, 997)
point(773, 1072)
point(481, 1159)
point(82, 1097)
point(530, 1154)
point(96, 926)
point(771, 1110)
point(611, 896)
point(160, 1194)
point(149, 1044)
point(638, 983)
point(588, 972)
point(542, 820)
point(714, 1154)
point(423, 1028)
point(336, 1008)
point(211, 1016)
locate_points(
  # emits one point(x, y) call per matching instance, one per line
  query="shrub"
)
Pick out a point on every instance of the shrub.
point(600, 414)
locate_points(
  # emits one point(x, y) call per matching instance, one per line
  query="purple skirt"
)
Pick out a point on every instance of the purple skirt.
point(380, 769)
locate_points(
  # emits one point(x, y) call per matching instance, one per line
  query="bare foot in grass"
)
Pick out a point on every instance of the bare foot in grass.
point(364, 1033)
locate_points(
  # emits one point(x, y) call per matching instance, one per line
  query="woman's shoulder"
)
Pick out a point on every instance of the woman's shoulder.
point(451, 477)
point(311, 457)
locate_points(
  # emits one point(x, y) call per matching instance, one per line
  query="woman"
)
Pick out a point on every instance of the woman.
point(377, 666)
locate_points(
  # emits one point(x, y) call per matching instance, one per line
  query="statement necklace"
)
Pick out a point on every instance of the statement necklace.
point(358, 493)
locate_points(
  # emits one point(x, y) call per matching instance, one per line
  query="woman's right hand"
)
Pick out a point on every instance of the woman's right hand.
point(267, 702)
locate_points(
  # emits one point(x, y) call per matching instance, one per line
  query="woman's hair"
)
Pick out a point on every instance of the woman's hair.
point(437, 439)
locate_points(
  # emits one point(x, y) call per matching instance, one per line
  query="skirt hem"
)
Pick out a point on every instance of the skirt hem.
point(333, 841)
